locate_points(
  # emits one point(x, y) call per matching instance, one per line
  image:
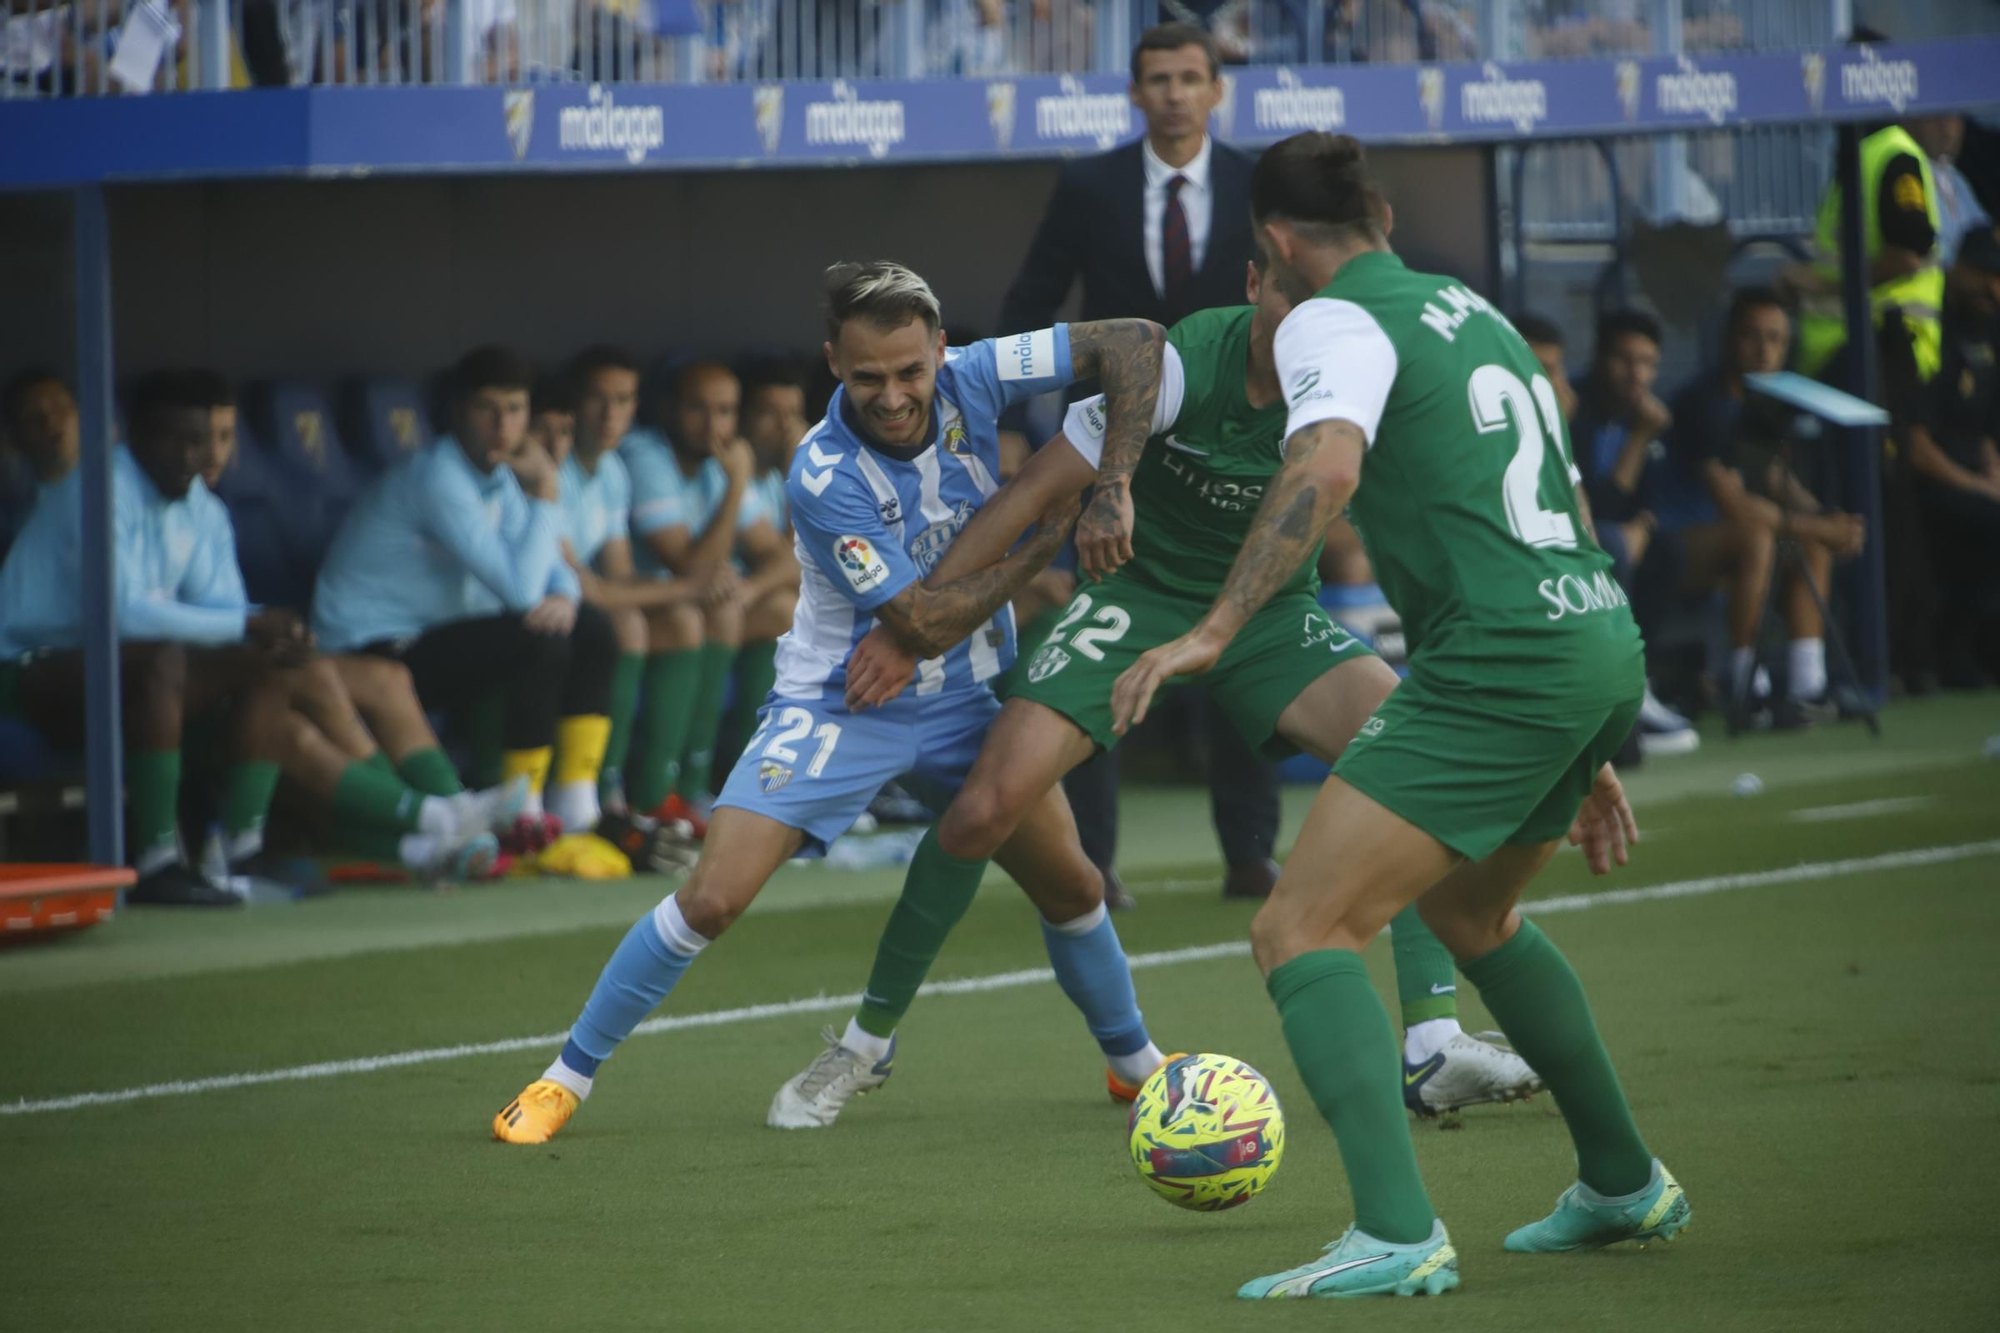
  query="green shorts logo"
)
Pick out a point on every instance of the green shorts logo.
point(1048, 660)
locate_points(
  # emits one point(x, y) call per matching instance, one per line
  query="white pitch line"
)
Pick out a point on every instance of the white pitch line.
point(1888, 805)
point(1687, 888)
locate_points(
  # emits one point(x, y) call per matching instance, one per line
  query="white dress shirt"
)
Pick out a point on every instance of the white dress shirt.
point(1197, 201)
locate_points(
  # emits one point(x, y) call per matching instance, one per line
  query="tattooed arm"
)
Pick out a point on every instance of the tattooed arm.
point(927, 620)
point(1322, 469)
point(1125, 355)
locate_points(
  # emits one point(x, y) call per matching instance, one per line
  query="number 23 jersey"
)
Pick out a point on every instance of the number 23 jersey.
point(1467, 498)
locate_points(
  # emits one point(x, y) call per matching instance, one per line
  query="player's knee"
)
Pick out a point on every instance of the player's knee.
point(1067, 897)
point(629, 624)
point(319, 682)
point(672, 628)
point(1277, 936)
point(980, 818)
point(723, 622)
point(710, 902)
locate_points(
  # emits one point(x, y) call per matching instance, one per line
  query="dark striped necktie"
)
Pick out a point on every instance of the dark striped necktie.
point(1176, 250)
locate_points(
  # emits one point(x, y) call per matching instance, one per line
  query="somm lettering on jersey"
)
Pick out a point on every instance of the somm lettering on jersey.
point(1074, 113)
point(1295, 105)
point(602, 124)
point(1695, 92)
point(847, 120)
point(1873, 79)
point(1499, 100)
point(1574, 596)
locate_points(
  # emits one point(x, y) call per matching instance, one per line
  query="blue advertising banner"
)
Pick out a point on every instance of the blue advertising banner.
point(636, 127)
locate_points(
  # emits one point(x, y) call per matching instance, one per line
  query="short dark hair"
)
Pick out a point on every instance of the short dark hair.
point(14, 395)
point(163, 391)
point(490, 367)
point(771, 373)
point(553, 392)
point(886, 294)
point(1615, 324)
point(600, 356)
point(1319, 180)
point(1745, 299)
point(1537, 330)
point(1174, 37)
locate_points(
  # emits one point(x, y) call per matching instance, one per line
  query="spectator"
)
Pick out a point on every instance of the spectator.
point(398, 801)
point(1752, 512)
point(1056, 39)
point(1957, 462)
point(449, 566)
point(597, 544)
point(1613, 441)
point(1182, 202)
point(688, 513)
point(1942, 138)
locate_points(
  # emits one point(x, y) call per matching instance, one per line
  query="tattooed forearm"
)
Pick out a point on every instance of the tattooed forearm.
point(1125, 355)
point(1322, 468)
point(929, 620)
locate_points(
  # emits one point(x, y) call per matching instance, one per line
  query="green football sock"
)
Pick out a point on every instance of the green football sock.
point(1346, 1052)
point(670, 689)
point(485, 726)
point(429, 770)
point(247, 787)
point(1534, 995)
point(706, 720)
point(625, 675)
point(936, 891)
point(153, 785)
point(1426, 975)
point(373, 798)
point(756, 672)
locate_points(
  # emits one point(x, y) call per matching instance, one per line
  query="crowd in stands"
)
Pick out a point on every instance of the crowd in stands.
point(588, 606)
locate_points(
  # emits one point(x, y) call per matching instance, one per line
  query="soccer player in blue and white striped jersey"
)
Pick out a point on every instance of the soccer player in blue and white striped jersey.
point(901, 465)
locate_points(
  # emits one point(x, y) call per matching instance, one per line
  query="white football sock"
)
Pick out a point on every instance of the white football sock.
point(1138, 1066)
point(864, 1043)
point(533, 805)
point(157, 857)
point(569, 1078)
point(575, 804)
point(244, 845)
point(438, 817)
point(1427, 1038)
point(1808, 668)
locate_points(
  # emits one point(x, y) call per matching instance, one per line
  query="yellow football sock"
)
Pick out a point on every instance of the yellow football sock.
point(534, 763)
point(580, 741)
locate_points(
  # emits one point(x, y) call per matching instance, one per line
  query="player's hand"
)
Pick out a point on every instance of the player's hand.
point(739, 464)
point(1654, 416)
point(535, 470)
point(878, 670)
point(1605, 828)
point(1846, 534)
point(722, 586)
point(280, 635)
point(1104, 533)
point(1191, 654)
point(552, 615)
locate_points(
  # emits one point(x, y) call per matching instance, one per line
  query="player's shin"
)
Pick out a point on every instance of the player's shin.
point(1345, 1049)
point(1091, 968)
point(936, 891)
point(1535, 995)
point(643, 970)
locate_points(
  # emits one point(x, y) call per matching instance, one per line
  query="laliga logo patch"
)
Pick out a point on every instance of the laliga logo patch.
point(1000, 113)
point(1048, 660)
point(1627, 74)
point(769, 103)
point(520, 108)
point(859, 562)
point(772, 775)
point(1430, 93)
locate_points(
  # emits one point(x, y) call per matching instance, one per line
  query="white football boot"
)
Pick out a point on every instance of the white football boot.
point(1466, 1071)
point(814, 1098)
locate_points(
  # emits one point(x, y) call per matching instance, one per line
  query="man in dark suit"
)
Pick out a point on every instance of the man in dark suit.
point(1157, 229)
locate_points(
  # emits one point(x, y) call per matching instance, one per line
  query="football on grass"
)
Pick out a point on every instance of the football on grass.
point(1207, 1132)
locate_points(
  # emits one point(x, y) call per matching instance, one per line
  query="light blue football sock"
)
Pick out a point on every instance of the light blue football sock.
point(643, 970)
point(1091, 968)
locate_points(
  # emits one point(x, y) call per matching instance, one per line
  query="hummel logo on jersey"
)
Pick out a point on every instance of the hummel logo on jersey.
point(892, 509)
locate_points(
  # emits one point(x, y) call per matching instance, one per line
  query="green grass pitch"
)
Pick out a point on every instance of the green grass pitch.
point(1812, 1053)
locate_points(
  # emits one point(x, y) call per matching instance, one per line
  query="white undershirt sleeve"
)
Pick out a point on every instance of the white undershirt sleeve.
point(1083, 425)
point(1334, 364)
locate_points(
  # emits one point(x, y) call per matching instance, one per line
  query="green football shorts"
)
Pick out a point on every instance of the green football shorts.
point(1290, 643)
point(1475, 775)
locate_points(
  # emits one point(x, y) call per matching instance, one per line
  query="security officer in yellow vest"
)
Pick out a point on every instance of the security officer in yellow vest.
point(1901, 226)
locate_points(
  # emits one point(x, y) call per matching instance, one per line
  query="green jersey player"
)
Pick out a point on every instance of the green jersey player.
point(1291, 679)
point(1409, 397)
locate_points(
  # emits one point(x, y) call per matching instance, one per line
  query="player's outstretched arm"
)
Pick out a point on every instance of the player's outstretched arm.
point(1322, 468)
point(1125, 355)
point(928, 620)
point(1056, 473)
